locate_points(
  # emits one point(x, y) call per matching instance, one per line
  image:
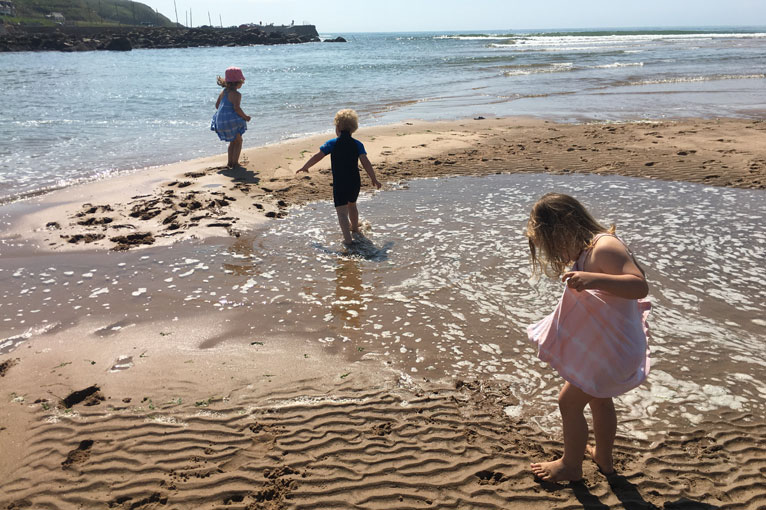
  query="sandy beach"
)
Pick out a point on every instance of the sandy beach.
point(202, 412)
point(202, 198)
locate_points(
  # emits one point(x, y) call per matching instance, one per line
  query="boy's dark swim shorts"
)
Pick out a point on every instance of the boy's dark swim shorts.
point(346, 192)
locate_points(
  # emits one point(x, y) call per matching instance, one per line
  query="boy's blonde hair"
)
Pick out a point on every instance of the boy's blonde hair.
point(347, 120)
point(560, 227)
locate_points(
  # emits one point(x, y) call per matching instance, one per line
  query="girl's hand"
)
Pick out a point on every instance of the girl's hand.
point(302, 169)
point(376, 183)
point(579, 280)
point(247, 118)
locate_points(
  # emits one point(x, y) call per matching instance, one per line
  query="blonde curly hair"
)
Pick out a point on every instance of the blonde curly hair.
point(560, 228)
point(347, 120)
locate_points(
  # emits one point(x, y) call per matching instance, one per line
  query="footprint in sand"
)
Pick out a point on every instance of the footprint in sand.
point(490, 477)
point(122, 363)
point(79, 455)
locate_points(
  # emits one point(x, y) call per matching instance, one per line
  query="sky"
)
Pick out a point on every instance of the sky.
point(343, 16)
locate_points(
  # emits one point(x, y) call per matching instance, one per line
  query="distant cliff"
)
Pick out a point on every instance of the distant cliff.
point(86, 12)
point(66, 38)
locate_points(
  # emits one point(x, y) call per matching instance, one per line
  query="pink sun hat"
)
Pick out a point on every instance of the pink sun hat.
point(234, 74)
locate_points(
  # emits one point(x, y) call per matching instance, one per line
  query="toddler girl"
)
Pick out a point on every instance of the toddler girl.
point(230, 122)
point(596, 337)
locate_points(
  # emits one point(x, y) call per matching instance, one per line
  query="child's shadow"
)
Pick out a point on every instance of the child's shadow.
point(589, 501)
point(630, 498)
point(240, 174)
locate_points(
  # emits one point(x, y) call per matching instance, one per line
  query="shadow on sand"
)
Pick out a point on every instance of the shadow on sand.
point(626, 492)
point(240, 174)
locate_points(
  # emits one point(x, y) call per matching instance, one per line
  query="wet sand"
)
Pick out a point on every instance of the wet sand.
point(198, 410)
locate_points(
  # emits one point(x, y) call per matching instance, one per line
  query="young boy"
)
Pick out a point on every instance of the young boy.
point(345, 153)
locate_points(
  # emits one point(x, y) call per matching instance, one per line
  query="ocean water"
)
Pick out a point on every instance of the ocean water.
point(444, 289)
point(69, 117)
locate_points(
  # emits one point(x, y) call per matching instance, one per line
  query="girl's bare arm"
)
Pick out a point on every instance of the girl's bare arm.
point(612, 270)
point(236, 98)
point(220, 96)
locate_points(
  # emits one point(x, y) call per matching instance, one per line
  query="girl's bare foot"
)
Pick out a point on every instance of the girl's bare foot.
point(556, 471)
point(604, 465)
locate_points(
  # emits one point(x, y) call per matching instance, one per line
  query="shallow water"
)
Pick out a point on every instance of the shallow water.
point(89, 115)
point(440, 286)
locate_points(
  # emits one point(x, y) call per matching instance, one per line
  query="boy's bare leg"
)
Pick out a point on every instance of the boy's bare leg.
point(604, 430)
point(572, 402)
point(342, 211)
point(353, 217)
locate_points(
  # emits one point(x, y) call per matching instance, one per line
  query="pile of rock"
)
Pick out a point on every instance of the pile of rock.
point(125, 39)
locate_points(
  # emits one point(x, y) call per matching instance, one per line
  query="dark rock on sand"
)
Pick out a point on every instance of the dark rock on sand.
point(87, 395)
point(131, 240)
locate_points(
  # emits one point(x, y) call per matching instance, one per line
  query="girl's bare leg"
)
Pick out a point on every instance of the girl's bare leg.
point(572, 402)
point(353, 217)
point(604, 430)
point(230, 151)
point(235, 148)
point(342, 211)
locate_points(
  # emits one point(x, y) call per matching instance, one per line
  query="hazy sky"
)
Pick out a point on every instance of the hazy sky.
point(338, 16)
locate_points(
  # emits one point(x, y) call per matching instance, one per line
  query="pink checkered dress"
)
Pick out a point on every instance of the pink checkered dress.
point(595, 340)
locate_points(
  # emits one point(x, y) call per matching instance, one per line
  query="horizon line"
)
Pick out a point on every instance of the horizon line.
point(559, 29)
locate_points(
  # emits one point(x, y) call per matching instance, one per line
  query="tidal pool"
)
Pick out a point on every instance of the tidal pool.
point(440, 286)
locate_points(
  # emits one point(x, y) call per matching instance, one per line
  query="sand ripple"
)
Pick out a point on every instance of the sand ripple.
point(370, 448)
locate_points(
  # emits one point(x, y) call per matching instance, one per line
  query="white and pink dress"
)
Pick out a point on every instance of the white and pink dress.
point(595, 340)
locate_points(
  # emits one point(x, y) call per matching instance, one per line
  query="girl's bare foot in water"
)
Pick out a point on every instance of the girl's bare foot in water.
point(604, 465)
point(556, 471)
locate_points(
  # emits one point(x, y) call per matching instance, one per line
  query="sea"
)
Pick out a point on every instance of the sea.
point(73, 117)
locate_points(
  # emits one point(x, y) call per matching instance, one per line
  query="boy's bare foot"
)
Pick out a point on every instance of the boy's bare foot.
point(604, 465)
point(556, 471)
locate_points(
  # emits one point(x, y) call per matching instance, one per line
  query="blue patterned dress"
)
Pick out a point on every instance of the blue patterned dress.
point(226, 122)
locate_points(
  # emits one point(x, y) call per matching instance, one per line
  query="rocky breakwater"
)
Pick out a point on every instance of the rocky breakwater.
point(127, 38)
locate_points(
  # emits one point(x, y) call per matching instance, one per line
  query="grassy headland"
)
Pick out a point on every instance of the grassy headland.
point(86, 13)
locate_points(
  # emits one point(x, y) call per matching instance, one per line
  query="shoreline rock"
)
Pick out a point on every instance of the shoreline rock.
point(127, 38)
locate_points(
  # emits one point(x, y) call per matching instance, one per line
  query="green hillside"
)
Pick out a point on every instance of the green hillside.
point(87, 12)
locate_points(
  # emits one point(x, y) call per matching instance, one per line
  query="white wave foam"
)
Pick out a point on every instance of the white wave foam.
point(553, 68)
point(694, 79)
point(10, 343)
point(619, 64)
